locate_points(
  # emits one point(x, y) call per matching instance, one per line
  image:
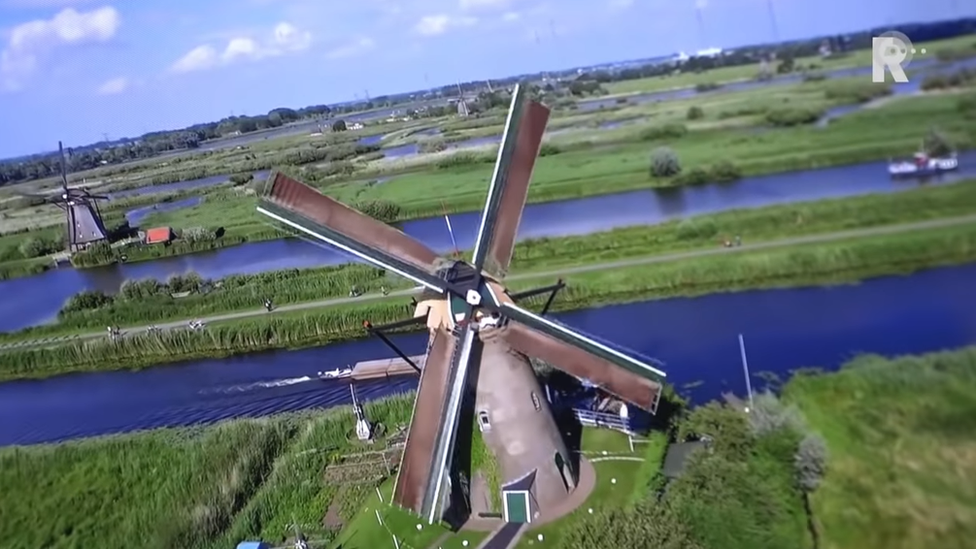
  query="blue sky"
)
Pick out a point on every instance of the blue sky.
point(78, 69)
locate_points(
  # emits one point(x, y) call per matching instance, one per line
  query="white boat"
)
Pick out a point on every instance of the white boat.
point(922, 165)
point(335, 374)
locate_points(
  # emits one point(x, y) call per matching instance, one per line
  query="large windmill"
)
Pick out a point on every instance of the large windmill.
point(83, 221)
point(477, 363)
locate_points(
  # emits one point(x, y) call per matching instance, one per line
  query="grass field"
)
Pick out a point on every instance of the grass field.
point(588, 162)
point(149, 302)
point(859, 58)
point(206, 487)
point(801, 265)
point(901, 437)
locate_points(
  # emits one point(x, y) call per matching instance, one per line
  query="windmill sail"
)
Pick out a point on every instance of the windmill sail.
point(583, 356)
point(303, 208)
point(509, 187)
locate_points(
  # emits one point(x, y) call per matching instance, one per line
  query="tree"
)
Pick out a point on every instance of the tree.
point(935, 143)
point(695, 113)
point(339, 125)
point(664, 162)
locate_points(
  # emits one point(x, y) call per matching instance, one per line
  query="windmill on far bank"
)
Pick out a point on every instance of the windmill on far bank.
point(83, 221)
point(477, 369)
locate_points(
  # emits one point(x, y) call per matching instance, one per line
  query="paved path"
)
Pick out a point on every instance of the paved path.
point(553, 273)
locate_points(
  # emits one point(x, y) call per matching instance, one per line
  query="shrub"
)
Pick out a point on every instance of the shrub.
point(87, 300)
point(664, 162)
point(36, 247)
point(845, 91)
point(666, 131)
point(935, 143)
point(707, 87)
point(792, 117)
point(694, 176)
point(241, 178)
point(433, 146)
point(814, 77)
point(695, 113)
point(724, 171)
point(462, 159)
point(548, 149)
point(696, 229)
point(197, 234)
point(382, 210)
point(339, 126)
point(141, 289)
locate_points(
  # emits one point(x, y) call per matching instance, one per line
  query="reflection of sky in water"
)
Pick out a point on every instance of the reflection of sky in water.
point(137, 215)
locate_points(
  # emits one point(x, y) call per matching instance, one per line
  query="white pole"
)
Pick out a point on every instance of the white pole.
point(745, 369)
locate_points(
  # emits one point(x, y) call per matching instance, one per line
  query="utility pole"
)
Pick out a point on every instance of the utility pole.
point(745, 369)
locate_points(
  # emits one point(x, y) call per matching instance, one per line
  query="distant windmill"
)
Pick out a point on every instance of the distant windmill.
point(83, 221)
point(462, 106)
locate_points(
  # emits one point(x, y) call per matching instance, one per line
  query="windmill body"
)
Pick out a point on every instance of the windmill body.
point(477, 370)
point(83, 221)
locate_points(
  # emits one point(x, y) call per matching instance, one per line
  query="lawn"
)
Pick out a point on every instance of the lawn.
point(622, 476)
point(859, 58)
point(901, 436)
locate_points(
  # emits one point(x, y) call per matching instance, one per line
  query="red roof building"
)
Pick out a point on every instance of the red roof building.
point(159, 235)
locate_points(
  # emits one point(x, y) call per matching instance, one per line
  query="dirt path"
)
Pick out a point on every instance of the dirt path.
point(552, 273)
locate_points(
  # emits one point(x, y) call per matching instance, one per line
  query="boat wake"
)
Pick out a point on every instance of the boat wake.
point(245, 387)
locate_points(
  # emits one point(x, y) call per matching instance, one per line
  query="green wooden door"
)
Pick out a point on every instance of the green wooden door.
point(518, 506)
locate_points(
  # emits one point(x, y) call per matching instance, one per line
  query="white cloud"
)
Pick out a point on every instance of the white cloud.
point(114, 86)
point(285, 38)
point(432, 25)
point(30, 41)
point(356, 47)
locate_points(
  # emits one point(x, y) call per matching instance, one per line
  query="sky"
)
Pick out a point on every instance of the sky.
point(80, 70)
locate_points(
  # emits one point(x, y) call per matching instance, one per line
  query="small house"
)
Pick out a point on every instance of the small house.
point(159, 235)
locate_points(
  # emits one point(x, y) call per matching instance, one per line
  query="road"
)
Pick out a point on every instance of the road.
point(553, 273)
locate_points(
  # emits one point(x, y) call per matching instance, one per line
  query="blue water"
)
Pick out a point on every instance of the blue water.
point(33, 300)
point(135, 217)
point(180, 185)
point(696, 338)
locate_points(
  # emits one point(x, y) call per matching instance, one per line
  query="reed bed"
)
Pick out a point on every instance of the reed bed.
point(831, 263)
point(191, 488)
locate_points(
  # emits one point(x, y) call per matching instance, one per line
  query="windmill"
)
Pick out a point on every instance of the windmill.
point(477, 362)
point(83, 221)
point(462, 106)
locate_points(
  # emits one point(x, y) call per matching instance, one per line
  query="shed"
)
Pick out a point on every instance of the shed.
point(253, 545)
point(159, 235)
point(518, 500)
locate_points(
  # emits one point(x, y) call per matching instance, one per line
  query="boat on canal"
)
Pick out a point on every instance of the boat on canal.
point(335, 373)
point(923, 165)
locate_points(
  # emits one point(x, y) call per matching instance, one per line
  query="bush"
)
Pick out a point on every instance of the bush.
point(792, 117)
point(432, 146)
point(36, 247)
point(197, 234)
point(695, 113)
point(548, 149)
point(382, 210)
point(339, 126)
point(664, 162)
point(814, 77)
point(725, 171)
point(87, 300)
point(666, 131)
point(707, 87)
point(958, 79)
point(694, 176)
point(462, 159)
point(696, 229)
point(845, 91)
point(241, 178)
point(935, 143)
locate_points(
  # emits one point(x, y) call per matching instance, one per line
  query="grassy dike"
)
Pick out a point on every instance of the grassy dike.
point(898, 433)
point(148, 302)
point(812, 264)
